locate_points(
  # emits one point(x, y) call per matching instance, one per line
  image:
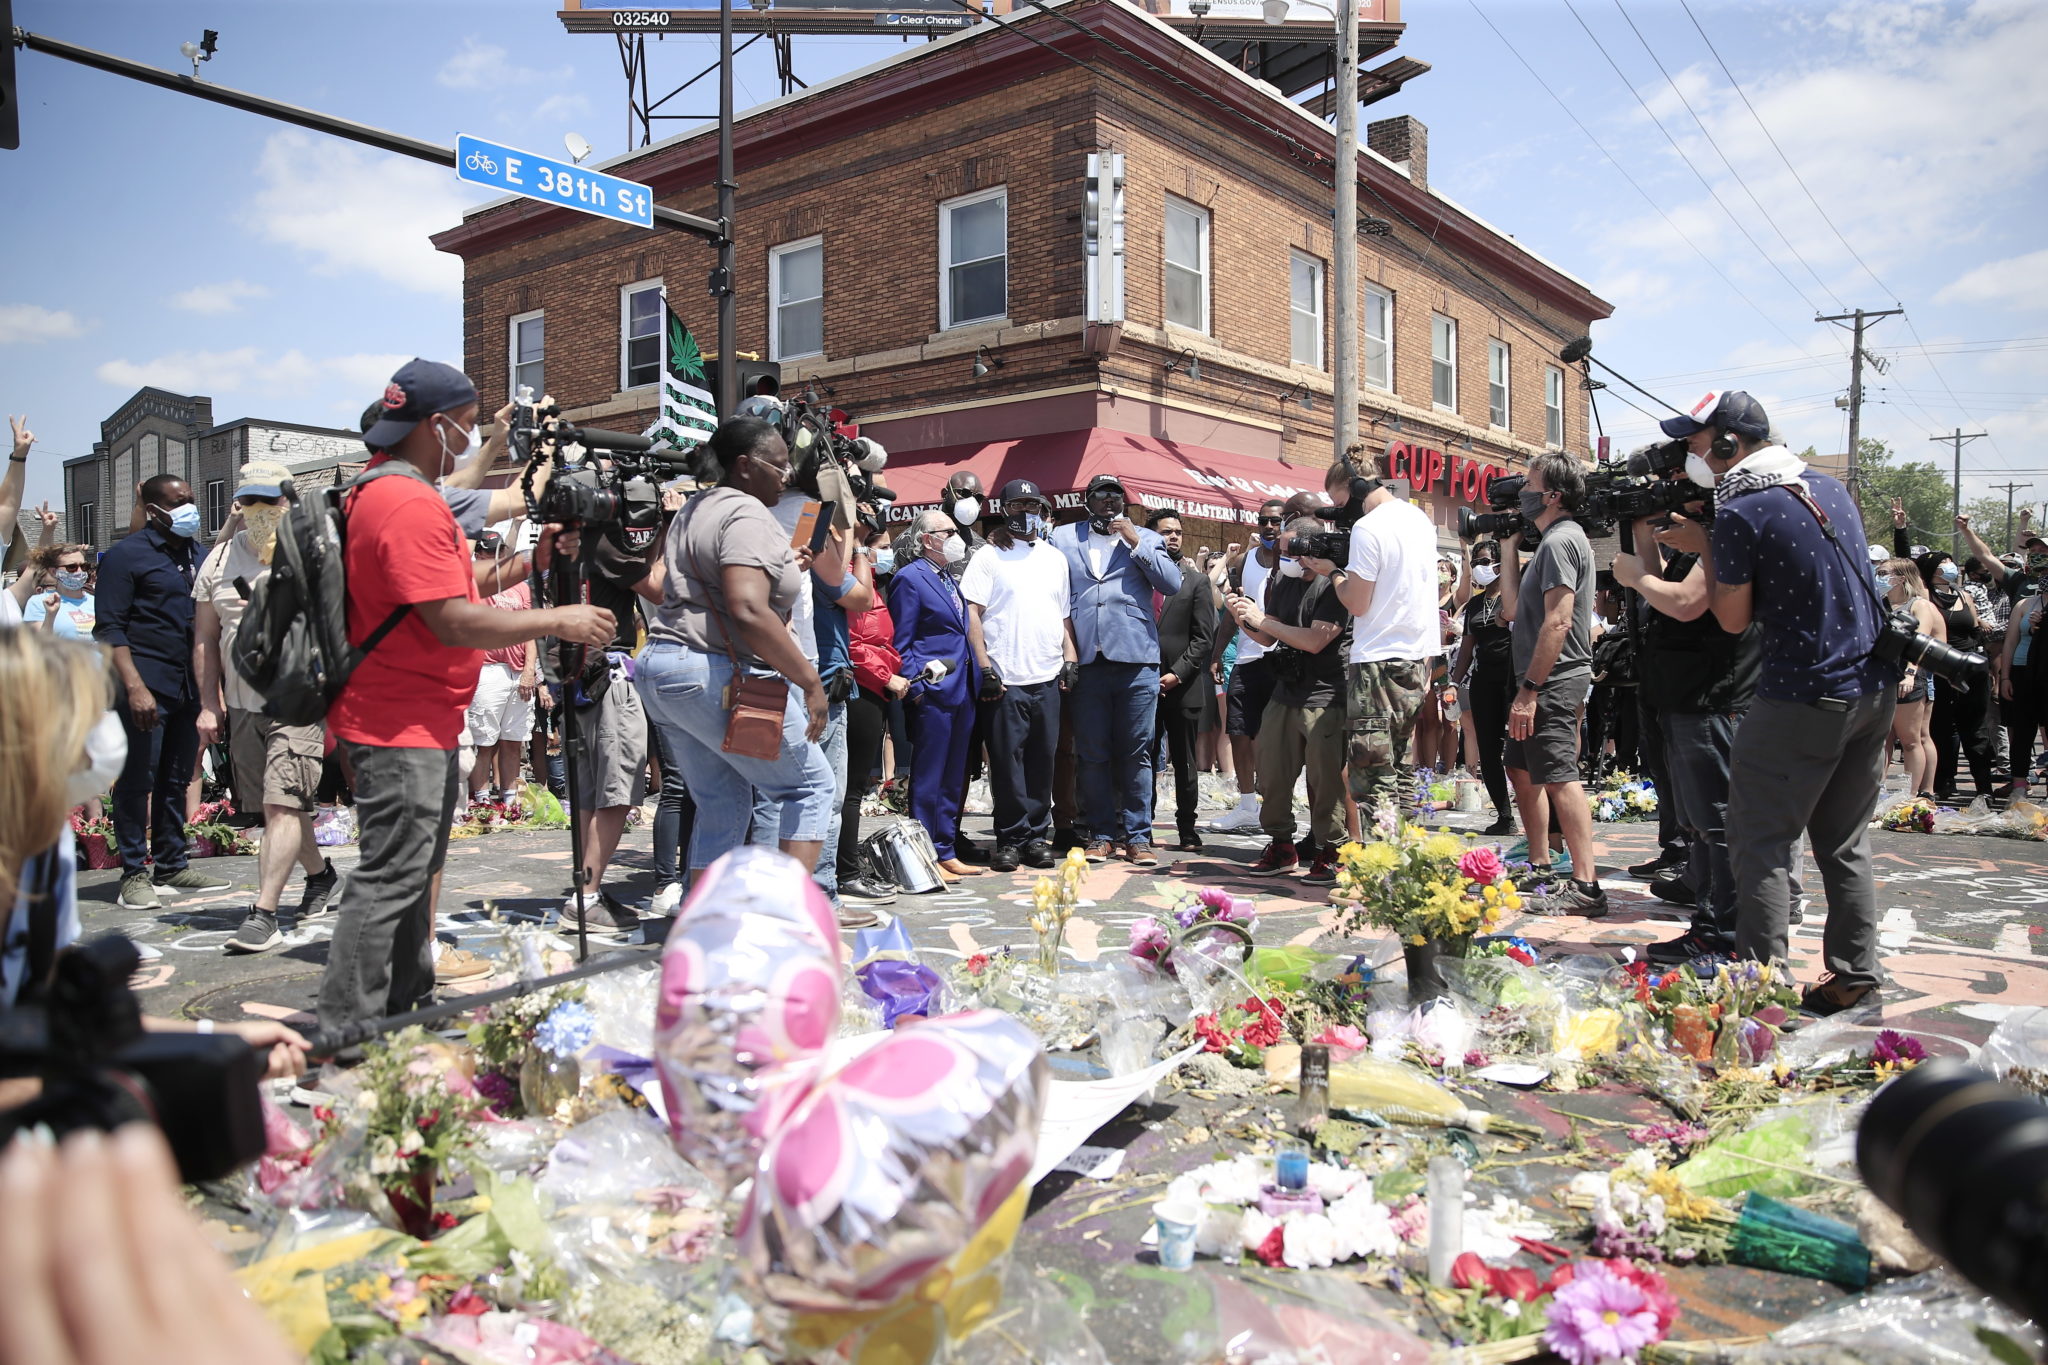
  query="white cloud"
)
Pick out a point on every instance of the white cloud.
point(32, 324)
point(352, 210)
point(559, 108)
point(225, 297)
point(2017, 282)
point(251, 370)
point(484, 66)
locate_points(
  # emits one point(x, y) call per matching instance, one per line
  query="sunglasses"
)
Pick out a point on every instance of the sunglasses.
point(1269, 521)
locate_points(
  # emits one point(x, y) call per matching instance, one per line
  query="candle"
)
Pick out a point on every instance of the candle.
point(1290, 1167)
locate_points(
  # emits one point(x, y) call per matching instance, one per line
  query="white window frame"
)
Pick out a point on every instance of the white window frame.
point(1553, 413)
point(1314, 312)
point(216, 504)
point(946, 262)
point(1384, 382)
point(1203, 225)
point(1434, 361)
point(1502, 414)
point(86, 530)
point(512, 352)
point(776, 305)
point(626, 293)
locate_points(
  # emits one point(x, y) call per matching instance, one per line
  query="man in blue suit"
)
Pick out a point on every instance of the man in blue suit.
point(1117, 571)
point(931, 635)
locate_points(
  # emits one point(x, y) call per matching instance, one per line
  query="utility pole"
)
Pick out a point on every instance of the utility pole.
point(1344, 240)
point(1862, 317)
point(723, 286)
point(2008, 489)
point(1958, 439)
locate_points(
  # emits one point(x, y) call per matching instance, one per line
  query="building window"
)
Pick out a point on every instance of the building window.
point(85, 523)
point(1305, 310)
point(529, 353)
point(149, 456)
point(1379, 339)
point(974, 258)
point(216, 504)
point(639, 334)
point(1553, 408)
point(796, 281)
point(1497, 383)
point(1187, 265)
point(125, 480)
point(1443, 361)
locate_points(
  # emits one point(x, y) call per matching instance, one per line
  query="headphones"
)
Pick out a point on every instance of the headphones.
point(1723, 447)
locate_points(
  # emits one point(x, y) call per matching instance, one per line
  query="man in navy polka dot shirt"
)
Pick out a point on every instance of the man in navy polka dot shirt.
point(1786, 552)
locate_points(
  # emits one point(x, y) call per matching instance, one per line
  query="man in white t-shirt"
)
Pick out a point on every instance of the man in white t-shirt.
point(276, 765)
point(1389, 586)
point(1019, 606)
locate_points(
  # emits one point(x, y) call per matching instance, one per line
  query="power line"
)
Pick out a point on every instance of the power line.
point(1781, 152)
point(1559, 101)
point(1700, 123)
point(1705, 184)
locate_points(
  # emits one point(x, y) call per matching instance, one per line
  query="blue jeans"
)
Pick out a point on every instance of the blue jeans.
point(159, 766)
point(675, 816)
point(766, 818)
point(684, 692)
point(1115, 714)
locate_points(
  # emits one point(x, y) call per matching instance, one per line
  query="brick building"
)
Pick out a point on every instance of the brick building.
point(910, 237)
point(157, 432)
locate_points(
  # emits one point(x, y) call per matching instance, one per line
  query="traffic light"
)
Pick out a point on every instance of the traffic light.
point(10, 99)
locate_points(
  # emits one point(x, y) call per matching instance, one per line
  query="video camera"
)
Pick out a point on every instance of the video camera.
point(1504, 522)
point(624, 497)
point(826, 438)
point(99, 1069)
point(1334, 546)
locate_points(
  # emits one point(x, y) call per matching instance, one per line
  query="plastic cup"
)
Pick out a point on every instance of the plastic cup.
point(1176, 1222)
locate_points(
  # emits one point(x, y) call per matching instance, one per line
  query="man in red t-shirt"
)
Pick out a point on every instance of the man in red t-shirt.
point(398, 718)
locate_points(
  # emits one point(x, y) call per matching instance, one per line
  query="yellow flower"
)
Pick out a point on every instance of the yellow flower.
point(1512, 900)
point(1416, 940)
point(1445, 846)
point(1380, 857)
point(1492, 894)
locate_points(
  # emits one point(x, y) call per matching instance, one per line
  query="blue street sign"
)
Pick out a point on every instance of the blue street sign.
point(553, 182)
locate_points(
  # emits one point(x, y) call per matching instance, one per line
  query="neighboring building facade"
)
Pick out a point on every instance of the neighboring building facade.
point(910, 237)
point(157, 432)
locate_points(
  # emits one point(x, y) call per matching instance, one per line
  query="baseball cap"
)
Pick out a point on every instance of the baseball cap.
point(1732, 411)
point(420, 389)
point(1017, 489)
point(263, 479)
point(1106, 481)
point(1879, 554)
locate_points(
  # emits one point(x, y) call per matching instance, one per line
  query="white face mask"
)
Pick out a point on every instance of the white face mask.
point(966, 511)
point(1485, 574)
point(1290, 568)
point(954, 550)
point(1699, 471)
point(106, 753)
point(473, 444)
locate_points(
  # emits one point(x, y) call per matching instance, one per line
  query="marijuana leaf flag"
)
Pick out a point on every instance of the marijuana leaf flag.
point(688, 415)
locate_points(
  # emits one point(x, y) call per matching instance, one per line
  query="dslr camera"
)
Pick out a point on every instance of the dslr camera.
point(99, 1069)
point(1334, 546)
point(1899, 641)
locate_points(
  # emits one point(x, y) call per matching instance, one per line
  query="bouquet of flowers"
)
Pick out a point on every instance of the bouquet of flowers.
point(1152, 939)
point(1242, 1033)
point(1625, 797)
point(95, 836)
point(1731, 1018)
point(209, 833)
point(1911, 817)
point(1425, 887)
point(417, 1112)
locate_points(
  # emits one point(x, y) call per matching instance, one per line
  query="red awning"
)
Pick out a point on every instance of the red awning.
point(1193, 480)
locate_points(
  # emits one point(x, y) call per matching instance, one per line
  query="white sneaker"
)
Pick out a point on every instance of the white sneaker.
point(1242, 818)
point(666, 901)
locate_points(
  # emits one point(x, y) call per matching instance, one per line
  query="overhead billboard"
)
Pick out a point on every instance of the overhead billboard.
point(1232, 17)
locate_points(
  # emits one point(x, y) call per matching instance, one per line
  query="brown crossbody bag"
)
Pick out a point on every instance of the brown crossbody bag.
point(754, 705)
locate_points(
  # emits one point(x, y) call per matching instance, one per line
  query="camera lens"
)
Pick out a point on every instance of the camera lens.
point(1964, 1161)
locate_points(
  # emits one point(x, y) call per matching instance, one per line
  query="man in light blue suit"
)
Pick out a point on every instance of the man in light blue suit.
point(1118, 572)
point(931, 636)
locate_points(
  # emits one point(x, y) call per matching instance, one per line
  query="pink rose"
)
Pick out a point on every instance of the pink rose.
point(1481, 864)
point(1343, 1040)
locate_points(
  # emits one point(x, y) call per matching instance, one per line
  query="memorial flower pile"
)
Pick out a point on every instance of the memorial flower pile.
point(1424, 887)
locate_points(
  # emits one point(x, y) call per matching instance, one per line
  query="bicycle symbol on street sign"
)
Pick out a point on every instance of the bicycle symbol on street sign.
point(477, 161)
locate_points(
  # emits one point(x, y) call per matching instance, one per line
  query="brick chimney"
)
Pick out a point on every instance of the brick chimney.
point(1405, 142)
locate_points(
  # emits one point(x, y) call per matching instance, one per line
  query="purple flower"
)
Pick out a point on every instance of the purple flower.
point(1238, 911)
point(1599, 1316)
point(1186, 918)
point(1893, 1046)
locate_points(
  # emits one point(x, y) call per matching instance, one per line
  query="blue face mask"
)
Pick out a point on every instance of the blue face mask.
point(184, 521)
point(885, 561)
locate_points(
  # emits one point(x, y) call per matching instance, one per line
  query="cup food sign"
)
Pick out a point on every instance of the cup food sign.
point(1431, 471)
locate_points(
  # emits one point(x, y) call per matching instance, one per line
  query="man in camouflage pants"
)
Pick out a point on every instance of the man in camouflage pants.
point(1389, 585)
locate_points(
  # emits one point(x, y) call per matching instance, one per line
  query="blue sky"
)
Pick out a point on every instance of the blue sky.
point(157, 239)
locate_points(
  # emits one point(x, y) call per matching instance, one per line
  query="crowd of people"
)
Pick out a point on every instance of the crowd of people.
point(766, 672)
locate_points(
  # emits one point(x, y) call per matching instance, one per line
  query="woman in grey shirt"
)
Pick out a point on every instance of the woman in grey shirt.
point(727, 581)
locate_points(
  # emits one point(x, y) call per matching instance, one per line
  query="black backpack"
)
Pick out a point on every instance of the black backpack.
point(292, 645)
